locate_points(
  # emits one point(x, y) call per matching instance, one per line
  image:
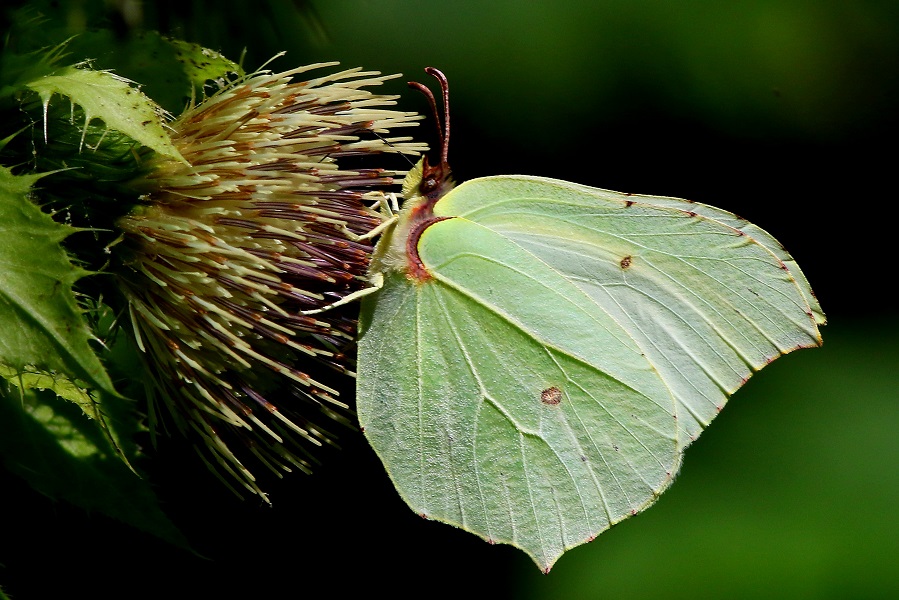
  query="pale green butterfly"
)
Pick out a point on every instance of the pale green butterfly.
point(540, 353)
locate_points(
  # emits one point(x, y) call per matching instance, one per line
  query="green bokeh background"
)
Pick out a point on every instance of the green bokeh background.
point(783, 111)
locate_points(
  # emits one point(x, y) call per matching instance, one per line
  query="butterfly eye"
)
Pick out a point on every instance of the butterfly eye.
point(428, 185)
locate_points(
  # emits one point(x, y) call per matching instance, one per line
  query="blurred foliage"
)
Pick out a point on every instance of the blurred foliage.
point(775, 109)
point(760, 68)
point(48, 442)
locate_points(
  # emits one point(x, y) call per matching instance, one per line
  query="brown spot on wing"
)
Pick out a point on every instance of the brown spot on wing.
point(551, 396)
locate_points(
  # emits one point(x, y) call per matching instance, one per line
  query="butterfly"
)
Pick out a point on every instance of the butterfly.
point(538, 354)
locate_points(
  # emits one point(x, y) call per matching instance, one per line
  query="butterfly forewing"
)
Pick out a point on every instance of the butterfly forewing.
point(706, 302)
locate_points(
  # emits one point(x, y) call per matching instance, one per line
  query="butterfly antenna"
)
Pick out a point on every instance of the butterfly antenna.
point(444, 92)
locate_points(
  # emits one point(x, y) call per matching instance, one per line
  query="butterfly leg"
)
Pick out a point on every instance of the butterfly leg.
point(388, 206)
point(377, 282)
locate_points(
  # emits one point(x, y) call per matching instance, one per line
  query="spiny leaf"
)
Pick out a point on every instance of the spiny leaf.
point(41, 324)
point(103, 95)
point(200, 64)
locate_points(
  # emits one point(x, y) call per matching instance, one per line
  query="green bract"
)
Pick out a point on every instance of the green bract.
point(103, 95)
point(541, 352)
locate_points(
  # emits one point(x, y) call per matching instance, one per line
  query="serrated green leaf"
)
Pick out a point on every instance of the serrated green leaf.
point(103, 95)
point(202, 64)
point(61, 453)
point(198, 65)
point(40, 323)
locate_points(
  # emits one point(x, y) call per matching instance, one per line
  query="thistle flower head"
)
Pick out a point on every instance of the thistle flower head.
point(231, 249)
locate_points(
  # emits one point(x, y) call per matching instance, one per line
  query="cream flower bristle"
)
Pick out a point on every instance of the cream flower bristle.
point(229, 250)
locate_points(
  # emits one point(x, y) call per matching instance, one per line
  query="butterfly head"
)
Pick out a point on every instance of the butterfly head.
point(433, 181)
point(425, 184)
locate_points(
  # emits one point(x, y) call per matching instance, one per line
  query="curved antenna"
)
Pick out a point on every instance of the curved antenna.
point(444, 91)
point(444, 131)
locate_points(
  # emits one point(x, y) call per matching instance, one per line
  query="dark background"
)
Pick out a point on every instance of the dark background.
point(782, 111)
